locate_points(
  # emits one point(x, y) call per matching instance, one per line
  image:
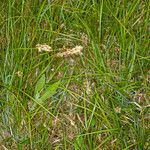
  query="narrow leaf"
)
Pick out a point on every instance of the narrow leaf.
point(50, 90)
point(40, 84)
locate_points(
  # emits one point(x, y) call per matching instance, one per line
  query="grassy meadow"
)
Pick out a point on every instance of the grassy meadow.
point(74, 75)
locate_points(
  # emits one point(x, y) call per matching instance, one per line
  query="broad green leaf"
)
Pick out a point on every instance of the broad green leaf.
point(50, 90)
point(37, 96)
point(40, 84)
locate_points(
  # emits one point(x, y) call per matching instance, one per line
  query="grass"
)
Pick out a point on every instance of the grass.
point(97, 100)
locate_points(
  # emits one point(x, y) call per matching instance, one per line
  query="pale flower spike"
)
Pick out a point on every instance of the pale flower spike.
point(43, 47)
point(74, 51)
